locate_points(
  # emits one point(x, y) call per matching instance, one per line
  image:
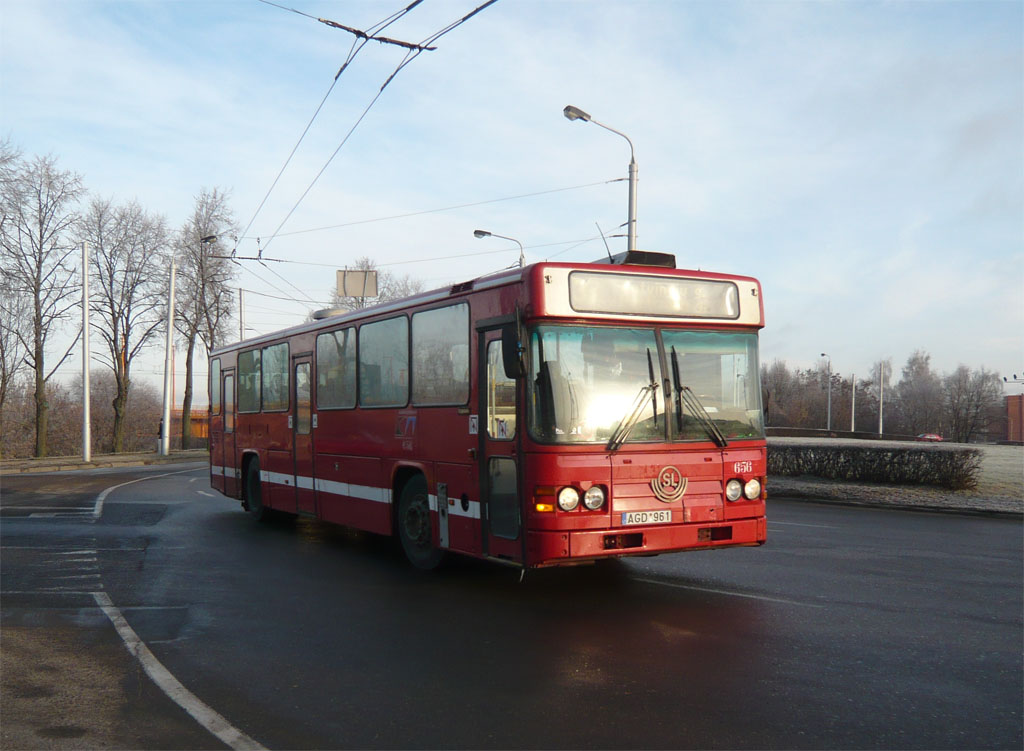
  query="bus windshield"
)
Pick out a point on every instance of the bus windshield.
point(585, 381)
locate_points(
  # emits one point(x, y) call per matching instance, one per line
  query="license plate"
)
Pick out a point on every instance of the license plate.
point(663, 516)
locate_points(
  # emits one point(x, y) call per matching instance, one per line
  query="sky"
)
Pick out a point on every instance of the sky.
point(863, 160)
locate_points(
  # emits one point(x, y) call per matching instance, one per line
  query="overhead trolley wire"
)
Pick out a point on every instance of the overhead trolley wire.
point(446, 208)
point(571, 243)
point(357, 46)
point(410, 55)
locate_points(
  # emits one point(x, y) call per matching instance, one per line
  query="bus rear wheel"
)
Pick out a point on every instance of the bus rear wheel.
point(254, 491)
point(414, 528)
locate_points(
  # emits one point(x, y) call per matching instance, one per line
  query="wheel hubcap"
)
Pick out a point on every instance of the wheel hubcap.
point(417, 523)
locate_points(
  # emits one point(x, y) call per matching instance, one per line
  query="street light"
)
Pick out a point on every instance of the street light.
point(485, 233)
point(241, 292)
point(575, 113)
point(828, 420)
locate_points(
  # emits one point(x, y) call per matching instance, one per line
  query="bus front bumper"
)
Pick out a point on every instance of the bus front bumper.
point(553, 548)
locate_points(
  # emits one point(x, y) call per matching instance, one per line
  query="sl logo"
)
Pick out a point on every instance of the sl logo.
point(669, 485)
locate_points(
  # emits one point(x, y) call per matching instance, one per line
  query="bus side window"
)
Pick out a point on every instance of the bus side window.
point(249, 381)
point(384, 363)
point(336, 369)
point(215, 386)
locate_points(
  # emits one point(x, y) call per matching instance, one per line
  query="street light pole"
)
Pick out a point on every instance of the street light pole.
point(485, 233)
point(575, 113)
point(165, 422)
point(86, 357)
point(828, 419)
point(881, 395)
point(853, 404)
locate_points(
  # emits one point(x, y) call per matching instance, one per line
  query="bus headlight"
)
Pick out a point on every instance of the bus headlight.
point(752, 490)
point(594, 497)
point(568, 499)
point(733, 490)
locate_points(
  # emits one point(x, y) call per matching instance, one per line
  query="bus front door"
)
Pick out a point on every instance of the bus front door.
point(302, 437)
point(498, 455)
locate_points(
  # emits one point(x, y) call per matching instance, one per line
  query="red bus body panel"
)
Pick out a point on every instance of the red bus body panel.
point(351, 469)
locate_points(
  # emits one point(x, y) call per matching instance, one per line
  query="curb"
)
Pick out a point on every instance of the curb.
point(66, 464)
point(866, 503)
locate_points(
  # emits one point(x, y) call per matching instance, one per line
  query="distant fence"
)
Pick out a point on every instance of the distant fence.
point(859, 434)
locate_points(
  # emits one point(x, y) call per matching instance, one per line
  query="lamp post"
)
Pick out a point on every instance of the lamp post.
point(828, 419)
point(575, 113)
point(165, 423)
point(485, 233)
point(86, 356)
point(241, 292)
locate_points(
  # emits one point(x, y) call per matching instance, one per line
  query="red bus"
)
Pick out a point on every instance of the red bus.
point(554, 414)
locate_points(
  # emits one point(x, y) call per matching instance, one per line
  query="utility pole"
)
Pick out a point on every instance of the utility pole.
point(86, 417)
point(828, 417)
point(165, 423)
point(853, 404)
point(881, 394)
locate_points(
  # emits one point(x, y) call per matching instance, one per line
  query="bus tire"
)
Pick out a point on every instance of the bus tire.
point(254, 491)
point(414, 527)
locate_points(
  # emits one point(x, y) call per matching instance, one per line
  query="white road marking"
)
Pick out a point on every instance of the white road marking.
point(75, 552)
point(208, 495)
point(797, 524)
point(97, 510)
point(727, 592)
point(56, 515)
point(170, 685)
point(48, 508)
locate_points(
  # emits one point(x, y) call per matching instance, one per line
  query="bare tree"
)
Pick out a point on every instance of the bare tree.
point(13, 303)
point(919, 396)
point(203, 301)
point(13, 319)
point(389, 287)
point(37, 257)
point(128, 250)
point(969, 397)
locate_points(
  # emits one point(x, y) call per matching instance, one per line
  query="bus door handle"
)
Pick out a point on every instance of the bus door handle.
point(472, 453)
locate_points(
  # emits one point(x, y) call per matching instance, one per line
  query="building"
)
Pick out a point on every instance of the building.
point(1015, 418)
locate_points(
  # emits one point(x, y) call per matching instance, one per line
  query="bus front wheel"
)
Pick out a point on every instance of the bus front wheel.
point(414, 528)
point(254, 491)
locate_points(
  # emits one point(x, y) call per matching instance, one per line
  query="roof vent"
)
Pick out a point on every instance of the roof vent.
point(320, 315)
point(641, 258)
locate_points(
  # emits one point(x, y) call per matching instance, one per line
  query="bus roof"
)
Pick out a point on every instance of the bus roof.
point(751, 312)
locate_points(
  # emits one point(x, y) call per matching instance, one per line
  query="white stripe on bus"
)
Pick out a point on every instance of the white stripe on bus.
point(364, 492)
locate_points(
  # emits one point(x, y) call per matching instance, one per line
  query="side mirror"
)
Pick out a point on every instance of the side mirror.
point(511, 359)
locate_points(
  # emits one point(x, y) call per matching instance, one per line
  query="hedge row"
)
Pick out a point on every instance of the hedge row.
point(945, 467)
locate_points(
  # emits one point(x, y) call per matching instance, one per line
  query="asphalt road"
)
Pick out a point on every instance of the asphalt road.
point(852, 628)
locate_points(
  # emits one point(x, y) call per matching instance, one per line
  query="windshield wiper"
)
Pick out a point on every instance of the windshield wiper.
point(650, 391)
point(626, 426)
point(685, 395)
point(654, 386)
